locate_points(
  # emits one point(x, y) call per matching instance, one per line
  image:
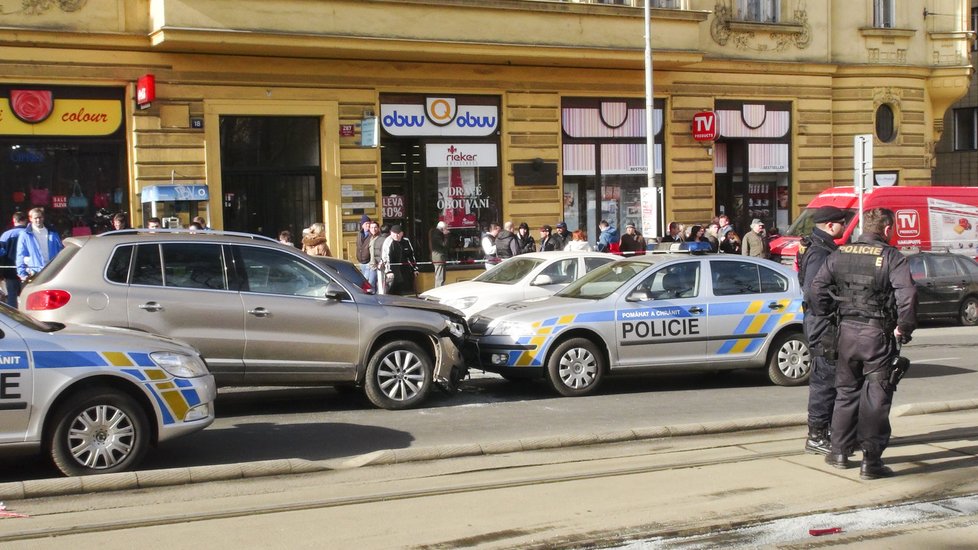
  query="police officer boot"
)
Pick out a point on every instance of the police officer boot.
point(838, 460)
point(872, 467)
point(818, 442)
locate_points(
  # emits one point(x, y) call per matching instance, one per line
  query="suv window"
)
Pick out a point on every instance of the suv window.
point(273, 272)
point(147, 269)
point(943, 266)
point(193, 265)
point(732, 278)
point(118, 269)
point(968, 266)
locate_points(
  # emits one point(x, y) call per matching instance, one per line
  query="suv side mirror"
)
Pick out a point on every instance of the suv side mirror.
point(335, 291)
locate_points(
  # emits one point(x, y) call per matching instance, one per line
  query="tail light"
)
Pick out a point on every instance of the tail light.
point(44, 300)
point(366, 287)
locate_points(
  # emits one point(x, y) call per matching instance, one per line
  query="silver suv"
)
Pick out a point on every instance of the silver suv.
point(260, 312)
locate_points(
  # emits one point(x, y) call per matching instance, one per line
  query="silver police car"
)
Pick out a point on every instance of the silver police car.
point(650, 313)
point(95, 398)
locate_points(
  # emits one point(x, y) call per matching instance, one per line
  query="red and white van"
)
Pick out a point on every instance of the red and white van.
point(927, 218)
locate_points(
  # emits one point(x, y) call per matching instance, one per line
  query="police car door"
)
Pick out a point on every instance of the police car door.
point(748, 303)
point(661, 319)
point(16, 383)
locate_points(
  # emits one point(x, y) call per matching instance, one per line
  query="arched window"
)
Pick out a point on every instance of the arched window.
point(885, 125)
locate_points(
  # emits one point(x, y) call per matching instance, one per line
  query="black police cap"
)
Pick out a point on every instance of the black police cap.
point(826, 214)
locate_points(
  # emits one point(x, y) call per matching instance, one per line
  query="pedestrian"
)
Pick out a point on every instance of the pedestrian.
point(713, 236)
point(755, 242)
point(438, 244)
point(561, 235)
point(821, 331)
point(607, 237)
point(363, 247)
point(37, 245)
point(697, 234)
point(400, 267)
point(154, 223)
point(632, 242)
point(119, 222)
point(524, 240)
point(868, 283)
point(285, 237)
point(314, 240)
point(489, 245)
point(730, 244)
point(201, 223)
point(547, 239)
point(578, 242)
point(8, 251)
point(506, 245)
point(675, 233)
point(378, 236)
point(723, 221)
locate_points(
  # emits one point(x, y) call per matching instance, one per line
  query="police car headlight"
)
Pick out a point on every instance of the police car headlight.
point(462, 303)
point(179, 365)
point(511, 328)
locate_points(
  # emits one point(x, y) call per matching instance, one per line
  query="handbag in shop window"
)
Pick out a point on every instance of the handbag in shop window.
point(40, 196)
point(77, 202)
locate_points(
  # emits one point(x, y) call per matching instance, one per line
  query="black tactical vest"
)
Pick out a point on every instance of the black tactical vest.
point(855, 274)
point(503, 242)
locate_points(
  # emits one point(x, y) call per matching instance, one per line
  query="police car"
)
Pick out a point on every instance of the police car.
point(649, 313)
point(95, 398)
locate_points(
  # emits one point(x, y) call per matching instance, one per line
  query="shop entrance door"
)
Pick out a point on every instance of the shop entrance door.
point(270, 174)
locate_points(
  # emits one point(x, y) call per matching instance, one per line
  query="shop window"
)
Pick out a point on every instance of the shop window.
point(885, 123)
point(966, 129)
point(761, 11)
point(883, 13)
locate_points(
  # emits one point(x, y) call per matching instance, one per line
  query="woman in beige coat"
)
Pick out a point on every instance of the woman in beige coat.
point(314, 241)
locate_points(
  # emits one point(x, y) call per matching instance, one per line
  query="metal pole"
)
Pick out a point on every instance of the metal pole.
point(649, 123)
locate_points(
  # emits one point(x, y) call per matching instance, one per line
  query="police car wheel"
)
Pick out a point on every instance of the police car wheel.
point(790, 361)
point(575, 367)
point(969, 311)
point(399, 375)
point(99, 431)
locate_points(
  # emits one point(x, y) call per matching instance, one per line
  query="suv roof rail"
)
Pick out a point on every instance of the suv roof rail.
point(143, 231)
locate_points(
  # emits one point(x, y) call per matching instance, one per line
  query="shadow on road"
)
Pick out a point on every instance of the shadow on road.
point(926, 370)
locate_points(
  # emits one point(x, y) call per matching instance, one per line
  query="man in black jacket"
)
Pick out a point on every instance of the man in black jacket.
point(868, 283)
point(821, 331)
point(506, 243)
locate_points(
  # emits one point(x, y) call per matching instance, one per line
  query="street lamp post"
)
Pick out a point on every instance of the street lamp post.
point(650, 125)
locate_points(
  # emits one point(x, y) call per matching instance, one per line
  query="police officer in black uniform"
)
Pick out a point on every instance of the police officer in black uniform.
point(820, 330)
point(868, 282)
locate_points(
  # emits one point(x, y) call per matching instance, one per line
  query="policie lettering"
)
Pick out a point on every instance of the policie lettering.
point(8, 385)
point(659, 328)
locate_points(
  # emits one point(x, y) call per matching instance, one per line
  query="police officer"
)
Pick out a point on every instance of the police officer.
point(821, 331)
point(876, 302)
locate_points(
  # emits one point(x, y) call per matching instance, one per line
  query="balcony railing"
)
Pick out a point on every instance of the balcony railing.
point(671, 4)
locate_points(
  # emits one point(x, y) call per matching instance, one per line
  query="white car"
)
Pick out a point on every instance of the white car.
point(525, 276)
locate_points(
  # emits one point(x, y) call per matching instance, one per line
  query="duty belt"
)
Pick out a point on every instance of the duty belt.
point(864, 320)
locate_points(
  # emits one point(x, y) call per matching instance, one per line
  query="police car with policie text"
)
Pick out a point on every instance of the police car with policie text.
point(649, 313)
point(96, 398)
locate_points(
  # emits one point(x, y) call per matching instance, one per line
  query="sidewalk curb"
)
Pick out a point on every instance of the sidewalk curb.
point(38, 488)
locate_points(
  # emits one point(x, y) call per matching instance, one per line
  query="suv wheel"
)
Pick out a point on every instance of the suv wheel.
point(790, 361)
point(575, 367)
point(969, 311)
point(399, 375)
point(98, 431)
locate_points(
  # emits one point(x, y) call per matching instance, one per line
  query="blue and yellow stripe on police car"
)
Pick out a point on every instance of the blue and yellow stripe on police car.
point(758, 319)
point(544, 334)
point(175, 396)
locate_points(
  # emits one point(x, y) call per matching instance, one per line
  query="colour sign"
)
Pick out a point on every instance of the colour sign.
point(68, 117)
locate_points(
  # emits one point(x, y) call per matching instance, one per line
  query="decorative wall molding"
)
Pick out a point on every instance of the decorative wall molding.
point(744, 34)
point(38, 7)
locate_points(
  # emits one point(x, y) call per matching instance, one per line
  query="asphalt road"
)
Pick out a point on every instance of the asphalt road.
point(320, 423)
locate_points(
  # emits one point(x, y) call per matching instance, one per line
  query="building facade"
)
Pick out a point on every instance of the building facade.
point(957, 151)
point(273, 115)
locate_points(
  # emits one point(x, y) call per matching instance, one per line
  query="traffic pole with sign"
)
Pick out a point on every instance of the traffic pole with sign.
point(862, 170)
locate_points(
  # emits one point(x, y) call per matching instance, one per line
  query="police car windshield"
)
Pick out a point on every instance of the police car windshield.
point(30, 322)
point(603, 281)
point(510, 272)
